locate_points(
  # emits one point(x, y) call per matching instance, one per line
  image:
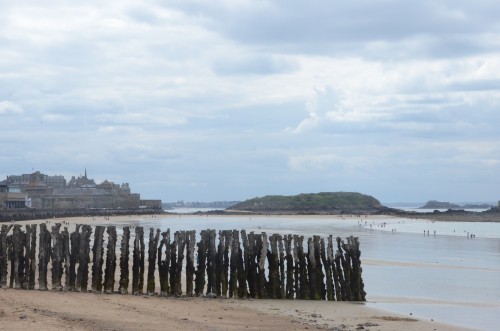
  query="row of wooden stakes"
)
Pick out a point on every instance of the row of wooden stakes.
point(257, 266)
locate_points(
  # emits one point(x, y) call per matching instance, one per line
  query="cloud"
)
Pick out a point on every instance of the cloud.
point(10, 108)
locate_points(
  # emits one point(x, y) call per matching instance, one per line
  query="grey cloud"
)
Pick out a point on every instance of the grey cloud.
point(337, 28)
point(257, 65)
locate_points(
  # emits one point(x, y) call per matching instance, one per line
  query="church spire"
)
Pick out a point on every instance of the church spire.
point(85, 172)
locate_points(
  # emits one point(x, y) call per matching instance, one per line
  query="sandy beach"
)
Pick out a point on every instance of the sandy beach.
point(48, 310)
point(22, 310)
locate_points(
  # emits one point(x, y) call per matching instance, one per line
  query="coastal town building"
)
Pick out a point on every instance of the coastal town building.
point(41, 191)
point(12, 197)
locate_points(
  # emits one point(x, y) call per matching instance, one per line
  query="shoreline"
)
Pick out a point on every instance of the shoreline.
point(49, 310)
point(284, 306)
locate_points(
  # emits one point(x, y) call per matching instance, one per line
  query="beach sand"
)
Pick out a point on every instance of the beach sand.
point(48, 310)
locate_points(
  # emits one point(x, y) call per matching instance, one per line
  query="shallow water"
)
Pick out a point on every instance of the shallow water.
point(447, 277)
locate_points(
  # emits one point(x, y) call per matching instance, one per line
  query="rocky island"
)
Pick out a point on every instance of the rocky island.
point(312, 203)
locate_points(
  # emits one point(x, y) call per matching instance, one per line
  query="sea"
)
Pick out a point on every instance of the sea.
point(441, 271)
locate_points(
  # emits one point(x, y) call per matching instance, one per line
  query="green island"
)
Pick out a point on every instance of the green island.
point(317, 203)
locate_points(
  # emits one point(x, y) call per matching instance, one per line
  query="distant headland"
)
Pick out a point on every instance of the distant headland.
point(433, 204)
point(312, 203)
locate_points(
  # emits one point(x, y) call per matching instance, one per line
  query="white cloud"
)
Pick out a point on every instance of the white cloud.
point(10, 108)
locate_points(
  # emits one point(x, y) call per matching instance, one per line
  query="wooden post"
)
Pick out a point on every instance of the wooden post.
point(27, 258)
point(282, 292)
point(273, 260)
point(233, 274)
point(190, 269)
point(339, 258)
point(66, 257)
point(202, 263)
point(152, 251)
point(345, 260)
point(138, 265)
point(109, 273)
point(57, 257)
point(17, 257)
point(211, 270)
point(290, 293)
point(242, 264)
point(331, 261)
point(75, 240)
point(43, 257)
point(32, 254)
point(320, 276)
point(357, 285)
point(226, 237)
point(181, 244)
point(303, 276)
point(82, 277)
point(263, 245)
point(98, 257)
point(4, 257)
point(163, 265)
point(328, 272)
point(250, 264)
point(124, 265)
point(173, 262)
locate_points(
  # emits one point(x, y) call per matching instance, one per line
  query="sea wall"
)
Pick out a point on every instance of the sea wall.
point(8, 215)
point(228, 263)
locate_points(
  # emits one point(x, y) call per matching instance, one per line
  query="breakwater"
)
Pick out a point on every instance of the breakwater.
point(228, 263)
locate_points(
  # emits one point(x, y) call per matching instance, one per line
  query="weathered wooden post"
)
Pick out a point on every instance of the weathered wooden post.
point(320, 283)
point(303, 290)
point(357, 286)
point(219, 265)
point(26, 250)
point(202, 263)
point(282, 292)
point(4, 256)
point(17, 257)
point(339, 258)
point(226, 237)
point(109, 273)
point(152, 251)
point(251, 253)
point(43, 257)
point(138, 265)
point(190, 269)
point(241, 269)
point(124, 256)
point(211, 266)
point(32, 255)
point(74, 257)
point(274, 276)
point(173, 262)
point(290, 293)
point(331, 261)
point(82, 277)
point(66, 257)
point(345, 260)
point(164, 265)
point(98, 259)
point(262, 245)
point(57, 257)
point(328, 272)
point(233, 274)
point(181, 244)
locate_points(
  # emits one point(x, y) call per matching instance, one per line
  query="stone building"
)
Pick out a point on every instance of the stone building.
point(81, 192)
point(11, 198)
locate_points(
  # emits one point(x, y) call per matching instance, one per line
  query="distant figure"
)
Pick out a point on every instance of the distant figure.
point(434, 233)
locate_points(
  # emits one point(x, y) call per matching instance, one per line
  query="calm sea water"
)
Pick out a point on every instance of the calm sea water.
point(448, 277)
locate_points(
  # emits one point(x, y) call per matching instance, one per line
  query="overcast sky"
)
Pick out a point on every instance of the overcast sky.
point(228, 100)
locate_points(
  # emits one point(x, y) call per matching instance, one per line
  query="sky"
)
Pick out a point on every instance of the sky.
point(228, 100)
